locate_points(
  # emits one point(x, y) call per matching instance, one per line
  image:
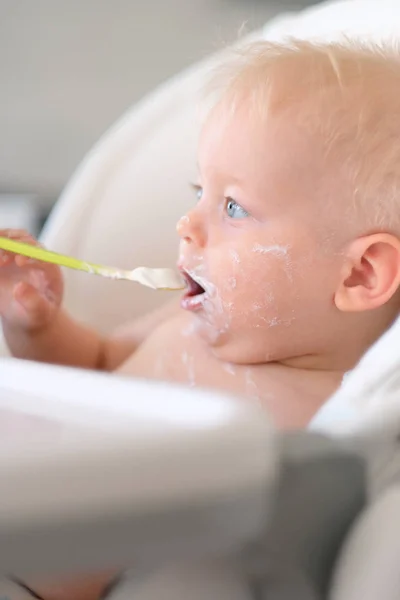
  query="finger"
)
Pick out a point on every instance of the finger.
point(25, 293)
point(13, 233)
point(24, 261)
point(5, 258)
point(34, 304)
point(28, 239)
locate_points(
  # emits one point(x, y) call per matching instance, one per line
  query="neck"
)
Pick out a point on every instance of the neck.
point(350, 343)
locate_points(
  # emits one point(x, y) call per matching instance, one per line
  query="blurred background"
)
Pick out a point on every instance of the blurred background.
point(70, 68)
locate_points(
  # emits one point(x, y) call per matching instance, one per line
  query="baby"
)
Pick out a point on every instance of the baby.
point(291, 250)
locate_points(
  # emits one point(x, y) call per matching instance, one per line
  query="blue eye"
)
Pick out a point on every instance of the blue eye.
point(198, 190)
point(234, 210)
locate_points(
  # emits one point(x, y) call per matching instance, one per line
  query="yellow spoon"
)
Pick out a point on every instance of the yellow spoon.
point(157, 279)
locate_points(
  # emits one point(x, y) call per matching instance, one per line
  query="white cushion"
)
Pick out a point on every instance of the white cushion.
point(328, 21)
point(369, 398)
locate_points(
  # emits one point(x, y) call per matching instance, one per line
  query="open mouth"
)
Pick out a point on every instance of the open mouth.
point(194, 296)
point(193, 287)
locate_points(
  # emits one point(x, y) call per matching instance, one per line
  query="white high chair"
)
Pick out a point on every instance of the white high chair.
point(192, 491)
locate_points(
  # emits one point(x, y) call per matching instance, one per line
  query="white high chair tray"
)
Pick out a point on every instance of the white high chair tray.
point(98, 470)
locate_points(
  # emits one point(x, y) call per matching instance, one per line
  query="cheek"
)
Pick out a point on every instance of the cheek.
point(256, 287)
point(229, 273)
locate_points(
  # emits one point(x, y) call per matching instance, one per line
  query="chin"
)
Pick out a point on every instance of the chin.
point(226, 345)
point(215, 337)
point(225, 350)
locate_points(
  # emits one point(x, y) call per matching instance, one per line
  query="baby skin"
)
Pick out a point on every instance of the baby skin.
point(289, 279)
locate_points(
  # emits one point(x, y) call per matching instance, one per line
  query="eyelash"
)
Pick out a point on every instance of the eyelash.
point(197, 189)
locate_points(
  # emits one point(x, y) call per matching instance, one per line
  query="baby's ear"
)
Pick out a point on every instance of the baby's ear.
point(370, 274)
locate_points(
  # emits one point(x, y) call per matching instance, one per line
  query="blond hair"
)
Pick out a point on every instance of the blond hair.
point(347, 94)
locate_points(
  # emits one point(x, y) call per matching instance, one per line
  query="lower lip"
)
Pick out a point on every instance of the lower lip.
point(192, 303)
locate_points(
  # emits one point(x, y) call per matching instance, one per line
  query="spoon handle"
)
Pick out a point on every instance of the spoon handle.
point(55, 258)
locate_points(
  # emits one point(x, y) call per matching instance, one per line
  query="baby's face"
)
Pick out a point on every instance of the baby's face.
point(253, 242)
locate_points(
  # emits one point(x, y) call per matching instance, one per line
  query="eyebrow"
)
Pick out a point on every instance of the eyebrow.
point(233, 179)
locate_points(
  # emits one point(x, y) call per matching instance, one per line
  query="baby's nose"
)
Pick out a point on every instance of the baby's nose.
point(182, 225)
point(191, 230)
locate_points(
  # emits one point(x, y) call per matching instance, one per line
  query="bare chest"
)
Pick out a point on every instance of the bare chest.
point(174, 354)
